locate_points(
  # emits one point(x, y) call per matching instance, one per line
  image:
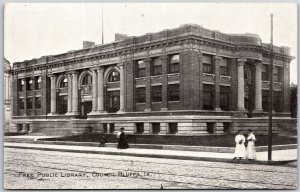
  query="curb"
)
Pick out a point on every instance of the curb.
point(243, 161)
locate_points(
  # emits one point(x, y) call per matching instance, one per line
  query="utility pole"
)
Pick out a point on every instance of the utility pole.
point(270, 135)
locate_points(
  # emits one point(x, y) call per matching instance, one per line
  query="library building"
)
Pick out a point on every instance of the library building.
point(183, 81)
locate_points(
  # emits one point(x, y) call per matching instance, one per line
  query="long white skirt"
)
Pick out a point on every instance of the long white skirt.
point(251, 153)
point(240, 150)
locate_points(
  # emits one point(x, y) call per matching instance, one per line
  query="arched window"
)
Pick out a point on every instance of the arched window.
point(64, 83)
point(114, 76)
point(87, 80)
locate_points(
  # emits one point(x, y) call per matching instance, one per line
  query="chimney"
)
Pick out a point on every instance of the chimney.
point(120, 37)
point(88, 44)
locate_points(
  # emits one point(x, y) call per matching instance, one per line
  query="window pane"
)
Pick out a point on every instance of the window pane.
point(175, 59)
point(156, 93)
point(173, 92)
point(207, 59)
point(141, 95)
point(38, 102)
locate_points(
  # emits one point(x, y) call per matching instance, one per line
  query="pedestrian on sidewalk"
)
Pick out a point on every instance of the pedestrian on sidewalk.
point(240, 149)
point(251, 153)
point(103, 141)
point(122, 144)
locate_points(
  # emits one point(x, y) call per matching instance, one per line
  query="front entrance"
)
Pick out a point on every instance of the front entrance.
point(86, 107)
point(113, 101)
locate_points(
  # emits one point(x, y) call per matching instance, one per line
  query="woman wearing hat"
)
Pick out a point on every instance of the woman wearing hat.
point(251, 154)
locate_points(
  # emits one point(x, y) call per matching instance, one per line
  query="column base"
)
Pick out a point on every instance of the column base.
point(52, 114)
point(164, 109)
point(102, 112)
point(121, 111)
point(218, 109)
point(93, 113)
point(72, 113)
point(147, 110)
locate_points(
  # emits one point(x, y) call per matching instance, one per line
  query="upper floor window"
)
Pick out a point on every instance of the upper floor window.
point(264, 73)
point(21, 85)
point(140, 69)
point(141, 95)
point(174, 64)
point(29, 103)
point(207, 97)
point(156, 67)
point(224, 67)
point(21, 103)
point(38, 102)
point(87, 80)
point(30, 84)
point(157, 93)
point(114, 76)
point(63, 83)
point(276, 74)
point(173, 92)
point(38, 82)
point(207, 64)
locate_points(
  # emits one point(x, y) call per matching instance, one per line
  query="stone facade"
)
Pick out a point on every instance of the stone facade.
point(186, 81)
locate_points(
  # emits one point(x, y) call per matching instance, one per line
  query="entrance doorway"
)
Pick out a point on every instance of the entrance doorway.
point(86, 107)
point(113, 101)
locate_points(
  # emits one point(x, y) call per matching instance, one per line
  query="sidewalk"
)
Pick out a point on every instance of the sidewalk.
point(278, 156)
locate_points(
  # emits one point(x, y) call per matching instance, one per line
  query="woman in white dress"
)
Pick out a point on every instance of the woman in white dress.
point(251, 154)
point(240, 149)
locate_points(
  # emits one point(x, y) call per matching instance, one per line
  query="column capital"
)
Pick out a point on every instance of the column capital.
point(73, 72)
point(258, 63)
point(163, 57)
point(241, 61)
point(52, 75)
point(217, 57)
point(100, 68)
point(146, 60)
point(121, 64)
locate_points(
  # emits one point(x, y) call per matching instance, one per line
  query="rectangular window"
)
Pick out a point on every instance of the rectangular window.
point(104, 127)
point(207, 97)
point(155, 128)
point(224, 98)
point(265, 100)
point(38, 102)
point(139, 128)
point(173, 92)
point(173, 128)
point(264, 73)
point(21, 104)
point(210, 128)
point(141, 95)
point(29, 103)
point(37, 83)
point(224, 67)
point(174, 66)
point(140, 69)
point(30, 84)
point(156, 93)
point(21, 84)
point(276, 74)
point(156, 66)
point(207, 64)
point(63, 104)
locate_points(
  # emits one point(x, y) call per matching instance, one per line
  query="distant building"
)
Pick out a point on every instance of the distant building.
point(186, 81)
point(7, 95)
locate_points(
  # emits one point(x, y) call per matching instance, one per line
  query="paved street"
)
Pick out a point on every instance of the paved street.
point(35, 169)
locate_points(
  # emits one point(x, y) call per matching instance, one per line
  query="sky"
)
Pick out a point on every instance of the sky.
point(35, 30)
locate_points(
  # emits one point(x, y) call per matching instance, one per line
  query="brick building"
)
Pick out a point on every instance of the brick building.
point(186, 81)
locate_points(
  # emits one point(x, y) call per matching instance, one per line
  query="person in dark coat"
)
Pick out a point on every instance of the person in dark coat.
point(122, 144)
point(102, 141)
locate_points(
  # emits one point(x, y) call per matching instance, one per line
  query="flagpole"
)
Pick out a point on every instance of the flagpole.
point(270, 135)
point(102, 23)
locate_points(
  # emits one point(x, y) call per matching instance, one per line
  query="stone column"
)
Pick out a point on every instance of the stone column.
point(100, 90)
point(69, 94)
point(241, 82)
point(122, 89)
point(95, 91)
point(258, 87)
point(286, 86)
point(75, 93)
point(217, 60)
point(53, 95)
